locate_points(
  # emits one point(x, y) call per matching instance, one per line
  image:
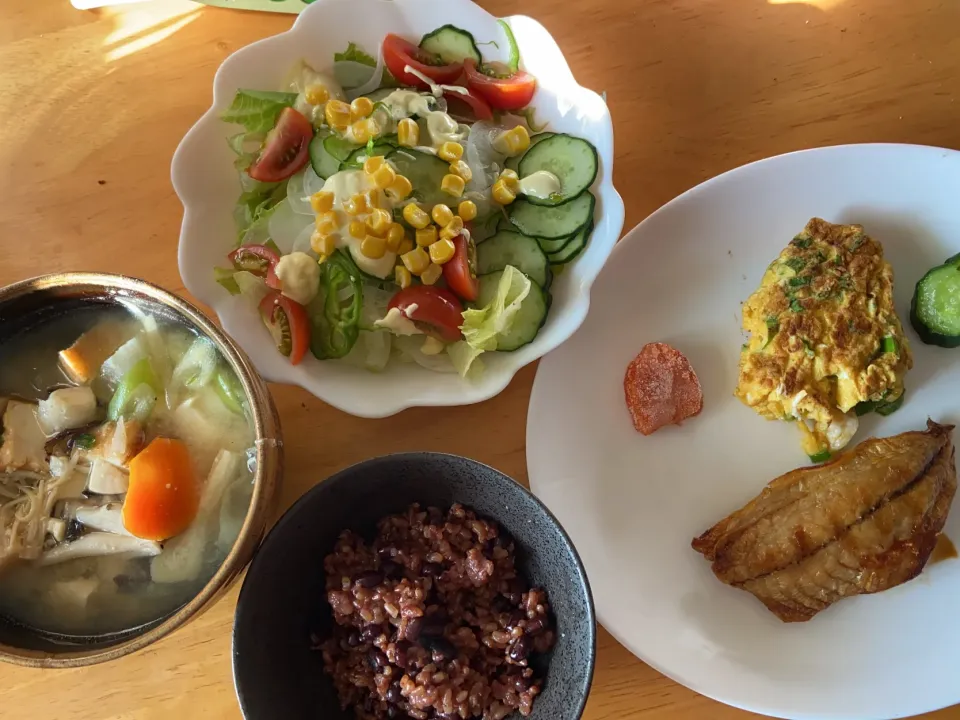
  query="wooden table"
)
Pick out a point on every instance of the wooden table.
point(92, 105)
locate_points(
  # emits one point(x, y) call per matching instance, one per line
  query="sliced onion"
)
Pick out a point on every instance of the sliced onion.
point(352, 74)
point(302, 243)
point(311, 181)
point(299, 200)
point(373, 83)
point(410, 349)
point(285, 226)
point(483, 159)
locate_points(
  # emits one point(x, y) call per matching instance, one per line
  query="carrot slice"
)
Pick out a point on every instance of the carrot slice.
point(661, 388)
point(163, 496)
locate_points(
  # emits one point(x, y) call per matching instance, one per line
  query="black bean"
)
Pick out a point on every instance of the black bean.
point(515, 617)
point(385, 553)
point(353, 639)
point(370, 633)
point(377, 659)
point(394, 695)
point(402, 658)
point(500, 604)
point(434, 624)
point(393, 712)
point(392, 570)
point(536, 626)
point(431, 570)
point(413, 629)
point(74, 530)
point(521, 648)
point(441, 648)
point(369, 579)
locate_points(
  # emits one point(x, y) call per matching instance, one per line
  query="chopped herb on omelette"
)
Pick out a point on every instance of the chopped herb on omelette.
point(826, 344)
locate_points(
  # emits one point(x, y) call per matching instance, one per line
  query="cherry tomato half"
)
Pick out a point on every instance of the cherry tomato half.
point(399, 54)
point(469, 101)
point(286, 149)
point(438, 311)
point(259, 260)
point(461, 271)
point(288, 323)
point(510, 92)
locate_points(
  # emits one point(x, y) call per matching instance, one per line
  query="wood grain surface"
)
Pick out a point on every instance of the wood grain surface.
point(93, 104)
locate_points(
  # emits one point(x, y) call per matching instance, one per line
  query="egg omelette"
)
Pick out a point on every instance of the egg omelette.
point(826, 345)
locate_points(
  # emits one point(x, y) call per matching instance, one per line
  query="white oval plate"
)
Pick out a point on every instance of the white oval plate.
point(632, 504)
point(206, 182)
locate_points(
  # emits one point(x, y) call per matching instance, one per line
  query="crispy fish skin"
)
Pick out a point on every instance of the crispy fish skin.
point(886, 545)
point(805, 509)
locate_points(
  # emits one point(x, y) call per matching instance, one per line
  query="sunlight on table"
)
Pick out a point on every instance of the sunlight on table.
point(139, 26)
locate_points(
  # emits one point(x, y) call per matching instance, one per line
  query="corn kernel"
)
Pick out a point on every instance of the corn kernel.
point(355, 205)
point(327, 222)
point(395, 236)
point(317, 94)
point(511, 180)
point(400, 188)
point(373, 198)
point(373, 247)
point(362, 130)
point(378, 222)
point(467, 210)
point(512, 142)
point(450, 151)
point(452, 228)
point(502, 195)
point(337, 114)
point(361, 108)
point(461, 169)
point(408, 133)
point(452, 185)
point(406, 245)
point(441, 214)
point(431, 274)
point(384, 177)
point(357, 229)
point(372, 164)
point(416, 260)
point(415, 216)
point(323, 244)
point(402, 276)
point(442, 251)
point(322, 201)
point(427, 236)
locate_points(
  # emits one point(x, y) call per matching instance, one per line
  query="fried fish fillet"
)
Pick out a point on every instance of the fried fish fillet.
point(863, 523)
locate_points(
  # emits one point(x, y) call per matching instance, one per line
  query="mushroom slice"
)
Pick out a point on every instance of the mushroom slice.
point(107, 518)
point(100, 543)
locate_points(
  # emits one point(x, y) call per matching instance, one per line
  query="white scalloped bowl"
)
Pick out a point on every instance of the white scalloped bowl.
point(205, 180)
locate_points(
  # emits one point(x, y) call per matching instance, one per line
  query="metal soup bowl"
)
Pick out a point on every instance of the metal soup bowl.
point(28, 304)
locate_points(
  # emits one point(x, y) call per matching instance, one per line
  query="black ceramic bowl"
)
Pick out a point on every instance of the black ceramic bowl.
point(283, 600)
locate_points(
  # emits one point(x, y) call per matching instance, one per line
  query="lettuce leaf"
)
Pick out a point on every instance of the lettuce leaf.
point(355, 54)
point(257, 110)
point(481, 326)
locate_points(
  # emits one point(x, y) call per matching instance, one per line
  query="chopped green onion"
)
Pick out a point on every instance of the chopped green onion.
point(84, 441)
point(820, 457)
point(890, 345)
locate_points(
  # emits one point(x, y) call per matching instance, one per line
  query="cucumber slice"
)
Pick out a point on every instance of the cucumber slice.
point(425, 172)
point(573, 248)
point(514, 162)
point(529, 318)
point(553, 246)
point(338, 147)
point(552, 222)
point(353, 161)
point(571, 159)
point(512, 248)
point(324, 164)
point(452, 45)
point(935, 310)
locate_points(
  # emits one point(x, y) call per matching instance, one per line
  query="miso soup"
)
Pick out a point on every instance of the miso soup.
point(125, 469)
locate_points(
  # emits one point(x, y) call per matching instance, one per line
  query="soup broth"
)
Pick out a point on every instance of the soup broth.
point(125, 469)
